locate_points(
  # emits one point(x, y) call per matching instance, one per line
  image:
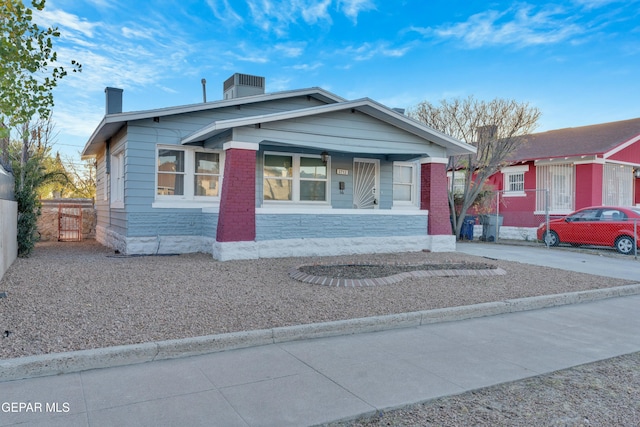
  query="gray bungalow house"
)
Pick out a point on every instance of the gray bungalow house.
point(293, 173)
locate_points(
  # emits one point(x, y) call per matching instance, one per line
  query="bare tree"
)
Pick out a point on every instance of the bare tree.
point(497, 128)
point(82, 176)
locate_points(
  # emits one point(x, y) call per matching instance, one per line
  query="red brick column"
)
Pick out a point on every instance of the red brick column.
point(237, 217)
point(433, 195)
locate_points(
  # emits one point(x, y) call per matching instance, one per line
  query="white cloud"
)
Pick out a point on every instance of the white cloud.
point(104, 4)
point(352, 8)
point(248, 54)
point(290, 50)
point(68, 21)
point(277, 15)
point(307, 67)
point(78, 119)
point(594, 4)
point(313, 12)
point(278, 84)
point(368, 51)
point(223, 11)
point(521, 26)
point(132, 33)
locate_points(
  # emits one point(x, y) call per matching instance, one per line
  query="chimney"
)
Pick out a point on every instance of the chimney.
point(240, 85)
point(487, 132)
point(113, 100)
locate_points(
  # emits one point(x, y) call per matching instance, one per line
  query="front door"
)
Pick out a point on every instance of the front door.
point(366, 183)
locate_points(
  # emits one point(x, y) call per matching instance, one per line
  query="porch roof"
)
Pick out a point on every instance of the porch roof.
point(366, 106)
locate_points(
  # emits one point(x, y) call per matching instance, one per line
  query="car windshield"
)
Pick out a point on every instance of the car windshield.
point(636, 211)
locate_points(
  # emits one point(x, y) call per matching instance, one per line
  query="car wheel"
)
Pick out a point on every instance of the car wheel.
point(551, 238)
point(624, 245)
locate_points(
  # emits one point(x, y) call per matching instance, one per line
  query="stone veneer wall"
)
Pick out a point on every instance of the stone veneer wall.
point(48, 220)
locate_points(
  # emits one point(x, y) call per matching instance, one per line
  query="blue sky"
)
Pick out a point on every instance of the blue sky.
point(578, 61)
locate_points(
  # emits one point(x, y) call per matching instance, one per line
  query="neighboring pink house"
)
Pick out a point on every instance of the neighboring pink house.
point(583, 166)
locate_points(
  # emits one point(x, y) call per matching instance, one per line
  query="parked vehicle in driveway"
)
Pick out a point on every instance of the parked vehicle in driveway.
point(611, 226)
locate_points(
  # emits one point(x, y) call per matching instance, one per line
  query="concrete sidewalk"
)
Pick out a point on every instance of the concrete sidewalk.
point(316, 381)
point(620, 267)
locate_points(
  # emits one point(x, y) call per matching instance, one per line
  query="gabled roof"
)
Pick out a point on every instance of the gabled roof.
point(111, 123)
point(593, 140)
point(364, 105)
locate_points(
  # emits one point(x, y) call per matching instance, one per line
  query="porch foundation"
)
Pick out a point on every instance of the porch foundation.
point(225, 251)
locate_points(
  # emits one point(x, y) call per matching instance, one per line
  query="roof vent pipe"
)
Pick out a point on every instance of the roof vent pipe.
point(204, 90)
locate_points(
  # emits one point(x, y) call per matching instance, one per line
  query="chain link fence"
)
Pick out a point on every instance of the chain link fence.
point(527, 215)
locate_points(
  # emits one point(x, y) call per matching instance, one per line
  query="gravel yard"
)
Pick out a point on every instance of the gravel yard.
point(74, 296)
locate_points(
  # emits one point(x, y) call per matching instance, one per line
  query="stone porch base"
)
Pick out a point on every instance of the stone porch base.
point(225, 251)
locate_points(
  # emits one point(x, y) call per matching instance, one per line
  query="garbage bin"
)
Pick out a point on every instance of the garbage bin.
point(466, 231)
point(490, 227)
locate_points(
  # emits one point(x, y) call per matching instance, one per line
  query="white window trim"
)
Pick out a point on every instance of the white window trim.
point(315, 210)
point(514, 170)
point(105, 180)
point(117, 179)
point(295, 181)
point(189, 199)
point(414, 203)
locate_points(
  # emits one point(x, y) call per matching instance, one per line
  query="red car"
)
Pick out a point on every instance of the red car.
point(598, 225)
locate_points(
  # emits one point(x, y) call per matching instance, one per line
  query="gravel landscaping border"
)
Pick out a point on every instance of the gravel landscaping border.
point(381, 273)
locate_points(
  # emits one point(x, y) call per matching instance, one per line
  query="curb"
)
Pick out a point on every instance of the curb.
point(83, 360)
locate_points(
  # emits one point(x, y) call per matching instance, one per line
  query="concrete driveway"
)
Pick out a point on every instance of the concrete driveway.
point(620, 267)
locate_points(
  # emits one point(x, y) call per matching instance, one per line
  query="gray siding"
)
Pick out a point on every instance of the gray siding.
point(118, 216)
point(141, 164)
point(341, 131)
point(209, 225)
point(102, 186)
point(168, 222)
point(296, 226)
point(108, 218)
